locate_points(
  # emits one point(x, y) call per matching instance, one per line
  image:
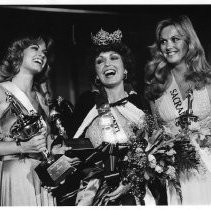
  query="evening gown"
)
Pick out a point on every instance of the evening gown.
point(86, 196)
point(195, 185)
point(19, 183)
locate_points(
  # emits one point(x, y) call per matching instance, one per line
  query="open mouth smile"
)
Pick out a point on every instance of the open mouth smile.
point(171, 53)
point(109, 72)
point(38, 60)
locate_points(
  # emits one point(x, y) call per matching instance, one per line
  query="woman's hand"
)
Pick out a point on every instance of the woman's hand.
point(60, 149)
point(121, 190)
point(35, 145)
point(73, 161)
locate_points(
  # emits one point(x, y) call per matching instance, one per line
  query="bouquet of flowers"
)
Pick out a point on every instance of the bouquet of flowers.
point(146, 162)
point(162, 155)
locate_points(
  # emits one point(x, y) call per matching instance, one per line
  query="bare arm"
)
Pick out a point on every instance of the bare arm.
point(7, 148)
point(209, 91)
point(35, 145)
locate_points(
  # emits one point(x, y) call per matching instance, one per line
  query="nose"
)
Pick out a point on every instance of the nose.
point(169, 45)
point(107, 62)
point(41, 54)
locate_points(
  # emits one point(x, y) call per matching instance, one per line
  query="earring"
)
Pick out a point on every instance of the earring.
point(125, 75)
point(97, 81)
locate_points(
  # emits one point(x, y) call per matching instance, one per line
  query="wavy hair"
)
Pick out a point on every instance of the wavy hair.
point(157, 70)
point(13, 58)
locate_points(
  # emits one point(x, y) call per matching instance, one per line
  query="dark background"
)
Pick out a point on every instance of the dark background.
point(71, 25)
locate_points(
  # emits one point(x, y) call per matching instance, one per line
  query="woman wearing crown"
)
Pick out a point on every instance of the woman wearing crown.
point(111, 66)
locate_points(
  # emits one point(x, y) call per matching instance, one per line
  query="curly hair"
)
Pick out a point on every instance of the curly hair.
point(122, 50)
point(13, 58)
point(158, 69)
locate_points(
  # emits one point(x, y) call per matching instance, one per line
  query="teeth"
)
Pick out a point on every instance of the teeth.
point(171, 53)
point(38, 60)
point(109, 72)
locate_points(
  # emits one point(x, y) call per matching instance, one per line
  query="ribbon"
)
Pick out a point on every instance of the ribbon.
point(102, 164)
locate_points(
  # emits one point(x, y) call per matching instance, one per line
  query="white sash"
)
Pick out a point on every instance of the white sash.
point(88, 119)
point(176, 97)
point(129, 111)
point(21, 96)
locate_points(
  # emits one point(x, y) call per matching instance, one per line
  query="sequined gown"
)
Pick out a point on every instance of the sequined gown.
point(195, 186)
point(19, 183)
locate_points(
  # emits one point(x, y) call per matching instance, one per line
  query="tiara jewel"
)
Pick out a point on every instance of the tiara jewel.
point(105, 38)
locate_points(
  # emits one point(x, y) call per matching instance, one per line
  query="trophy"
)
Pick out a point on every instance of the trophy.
point(185, 119)
point(52, 170)
point(26, 126)
point(60, 112)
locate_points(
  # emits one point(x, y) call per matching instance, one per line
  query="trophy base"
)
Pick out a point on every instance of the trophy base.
point(51, 174)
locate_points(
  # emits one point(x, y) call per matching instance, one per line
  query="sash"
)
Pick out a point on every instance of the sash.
point(176, 97)
point(21, 96)
point(129, 111)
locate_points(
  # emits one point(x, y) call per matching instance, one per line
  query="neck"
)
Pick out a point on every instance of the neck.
point(24, 82)
point(180, 70)
point(116, 93)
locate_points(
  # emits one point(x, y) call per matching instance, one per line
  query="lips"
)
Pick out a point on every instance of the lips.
point(38, 60)
point(171, 53)
point(109, 72)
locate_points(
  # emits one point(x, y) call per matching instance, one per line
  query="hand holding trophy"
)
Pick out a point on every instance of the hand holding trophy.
point(28, 127)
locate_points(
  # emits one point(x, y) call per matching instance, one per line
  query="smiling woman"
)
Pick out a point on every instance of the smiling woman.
point(173, 45)
point(22, 73)
point(34, 57)
point(178, 68)
point(111, 70)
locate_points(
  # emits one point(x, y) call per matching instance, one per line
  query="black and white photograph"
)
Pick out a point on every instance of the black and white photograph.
point(105, 104)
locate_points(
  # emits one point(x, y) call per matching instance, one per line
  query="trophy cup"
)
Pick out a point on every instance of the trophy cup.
point(185, 119)
point(51, 171)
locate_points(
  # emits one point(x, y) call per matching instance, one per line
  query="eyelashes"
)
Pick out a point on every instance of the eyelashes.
point(173, 40)
point(36, 48)
point(112, 57)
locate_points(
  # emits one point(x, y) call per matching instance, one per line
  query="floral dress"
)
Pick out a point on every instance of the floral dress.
point(195, 185)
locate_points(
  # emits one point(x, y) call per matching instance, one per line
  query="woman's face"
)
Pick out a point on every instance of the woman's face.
point(173, 45)
point(34, 58)
point(110, 68)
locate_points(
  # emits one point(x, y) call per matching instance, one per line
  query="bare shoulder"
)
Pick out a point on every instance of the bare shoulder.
point(3, 102)
point(208, 87)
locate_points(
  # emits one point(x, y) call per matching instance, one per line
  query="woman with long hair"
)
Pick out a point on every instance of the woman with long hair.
point(178, 66)
point(22, 73)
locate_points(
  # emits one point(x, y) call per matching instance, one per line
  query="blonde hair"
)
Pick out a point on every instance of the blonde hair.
point(157, 70)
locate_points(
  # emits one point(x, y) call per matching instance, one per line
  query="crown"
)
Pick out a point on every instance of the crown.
point(105, 38)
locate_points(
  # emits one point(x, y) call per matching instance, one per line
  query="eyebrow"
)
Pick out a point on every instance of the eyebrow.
point(176, 35)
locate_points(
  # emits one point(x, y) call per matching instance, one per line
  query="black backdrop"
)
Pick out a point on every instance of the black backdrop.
point(71, 25)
